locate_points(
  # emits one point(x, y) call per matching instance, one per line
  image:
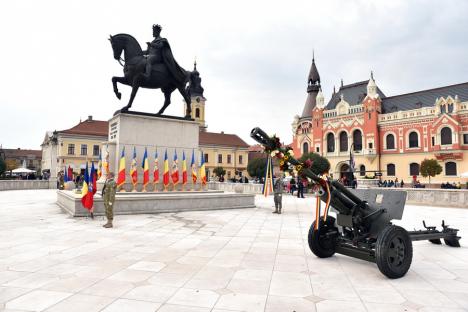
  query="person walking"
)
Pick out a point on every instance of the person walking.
point(108, 193)
point(300, 188)
point(278, 190)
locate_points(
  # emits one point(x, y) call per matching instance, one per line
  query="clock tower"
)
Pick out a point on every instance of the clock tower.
point(197, 98)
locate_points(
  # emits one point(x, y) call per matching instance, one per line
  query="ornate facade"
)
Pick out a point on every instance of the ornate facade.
point(388, 135)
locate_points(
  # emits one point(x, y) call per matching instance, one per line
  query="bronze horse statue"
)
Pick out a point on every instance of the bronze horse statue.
point(165, 74)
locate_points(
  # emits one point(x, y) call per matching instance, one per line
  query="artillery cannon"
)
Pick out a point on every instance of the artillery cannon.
point(362, 227)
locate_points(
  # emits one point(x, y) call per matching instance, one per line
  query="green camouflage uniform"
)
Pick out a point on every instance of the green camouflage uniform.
point(278, 190)
point(108, 192)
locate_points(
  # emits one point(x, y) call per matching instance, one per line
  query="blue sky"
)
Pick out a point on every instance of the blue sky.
point(253, 57)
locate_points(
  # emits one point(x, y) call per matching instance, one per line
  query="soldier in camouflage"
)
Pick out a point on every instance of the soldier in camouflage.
point(108, 193)
point(278, 190)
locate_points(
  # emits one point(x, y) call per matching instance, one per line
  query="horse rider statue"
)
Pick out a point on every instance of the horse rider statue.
point(159, 51)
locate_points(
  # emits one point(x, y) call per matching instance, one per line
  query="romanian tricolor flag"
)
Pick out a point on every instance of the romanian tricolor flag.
point(193, 166)
point(202, 170)
point(184, 169)
point(166, 171)
point(121, 177)
point(86, 191)
point(99, 166)
point(156, 168)
point(133, 168)
point(175, 169)
point(268, 184)
point(145, 166)
point(93, 179)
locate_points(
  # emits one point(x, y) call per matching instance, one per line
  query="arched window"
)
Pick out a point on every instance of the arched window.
point(450, 168)
point(446, 136)
point(391, 170)
point(413, 139)
point(357, 140)
point(330, 142)
point(343, 141)
point(450, 108)
point(414, 169)
point(390, 141)
point(305, 148)
point(362, 170)
point(197, 113)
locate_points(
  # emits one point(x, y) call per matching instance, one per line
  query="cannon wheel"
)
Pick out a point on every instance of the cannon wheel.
point(321, 245)
point(393, 251)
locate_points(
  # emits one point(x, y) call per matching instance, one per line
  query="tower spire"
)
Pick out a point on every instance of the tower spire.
point(313, 87)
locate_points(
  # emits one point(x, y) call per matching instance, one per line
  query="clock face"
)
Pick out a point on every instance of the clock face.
point(198, 99)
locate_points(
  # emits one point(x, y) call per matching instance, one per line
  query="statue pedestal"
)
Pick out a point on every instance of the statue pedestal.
point(155, 133)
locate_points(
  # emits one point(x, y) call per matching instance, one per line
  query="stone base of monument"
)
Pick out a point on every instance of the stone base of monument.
point(157, 202)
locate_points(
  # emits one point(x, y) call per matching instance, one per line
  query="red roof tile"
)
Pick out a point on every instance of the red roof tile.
point(89, 127)
point(14, 153)
point(221, 139)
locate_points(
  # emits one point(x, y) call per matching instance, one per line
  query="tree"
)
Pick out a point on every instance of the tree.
point(219, 171)
point(320, 164)
point(430, 168)
point(10, 165)
point(2, 166)
point(257, 167)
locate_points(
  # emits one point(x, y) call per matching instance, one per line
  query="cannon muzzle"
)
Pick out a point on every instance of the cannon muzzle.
point(261, 137)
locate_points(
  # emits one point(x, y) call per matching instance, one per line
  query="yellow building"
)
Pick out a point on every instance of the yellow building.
point(73, 147)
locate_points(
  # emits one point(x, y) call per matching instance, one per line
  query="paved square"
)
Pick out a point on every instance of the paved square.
point(229, 260)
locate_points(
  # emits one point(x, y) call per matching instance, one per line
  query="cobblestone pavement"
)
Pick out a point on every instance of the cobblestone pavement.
point(220, 261)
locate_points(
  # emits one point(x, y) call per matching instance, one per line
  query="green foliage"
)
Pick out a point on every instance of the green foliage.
point(320, 164)
point(430, 168)
point(2, 166)
point(257, 167)
point(219, 171)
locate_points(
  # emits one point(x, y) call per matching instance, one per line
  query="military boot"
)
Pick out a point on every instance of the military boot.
point(108, 224)
point(279, 210)
point(276, 210)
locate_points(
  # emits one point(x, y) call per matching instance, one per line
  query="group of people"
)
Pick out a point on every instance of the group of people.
point(451, 185)
point(391, 183)
point(297, 186)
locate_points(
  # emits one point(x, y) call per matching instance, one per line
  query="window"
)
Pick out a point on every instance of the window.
point(357, 140)
point(446, 136)
point(450, 168)
point(391, 170)
point(450, 108)
point(71, 149)
point(413, 140)
point(220, 158)
point(317, 149)
point(433, 141)
point(390, 141)
point(362, 170)
point(330, 143)
point(240, 159)
point(96, 150)
point(370, 145)
point(84, 149)
point(465, 138)
point(206, 158)
point(229, 158)
point(305, 148)
point(343, 141)
point(197, 113)
point(414, 169)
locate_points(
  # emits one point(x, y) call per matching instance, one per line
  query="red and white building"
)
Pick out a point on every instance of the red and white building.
point(387, 134)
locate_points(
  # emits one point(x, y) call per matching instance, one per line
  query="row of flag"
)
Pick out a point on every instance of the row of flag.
point(172, 174)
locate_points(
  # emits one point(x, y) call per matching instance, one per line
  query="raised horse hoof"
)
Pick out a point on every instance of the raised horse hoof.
point(118, 95)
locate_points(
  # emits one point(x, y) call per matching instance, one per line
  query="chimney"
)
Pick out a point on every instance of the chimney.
point(90, 118)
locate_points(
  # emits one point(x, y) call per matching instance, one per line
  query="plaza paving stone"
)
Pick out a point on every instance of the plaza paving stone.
point(219, 261)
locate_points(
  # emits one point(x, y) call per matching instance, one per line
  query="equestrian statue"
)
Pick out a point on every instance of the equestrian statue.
point(154, 68)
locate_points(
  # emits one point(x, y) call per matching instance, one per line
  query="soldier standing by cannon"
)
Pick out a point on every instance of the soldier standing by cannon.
point(278, 189)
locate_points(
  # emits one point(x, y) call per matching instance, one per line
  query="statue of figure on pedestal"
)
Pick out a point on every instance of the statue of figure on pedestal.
point(154, 68)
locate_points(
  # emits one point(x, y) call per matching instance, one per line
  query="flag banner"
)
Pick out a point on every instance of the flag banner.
point(99, 165)
point(193, 166)
point(105, 162)
point(133, 168)
point(268, 183)
point(184, 169)
point(70, 173)
point(175, 169)
point(156, 168)
point(93, 180)
point(86, 192)
point(65, 175)
point(202, 170)
point(145, 166)
point(166, 170)
point(121, 178)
